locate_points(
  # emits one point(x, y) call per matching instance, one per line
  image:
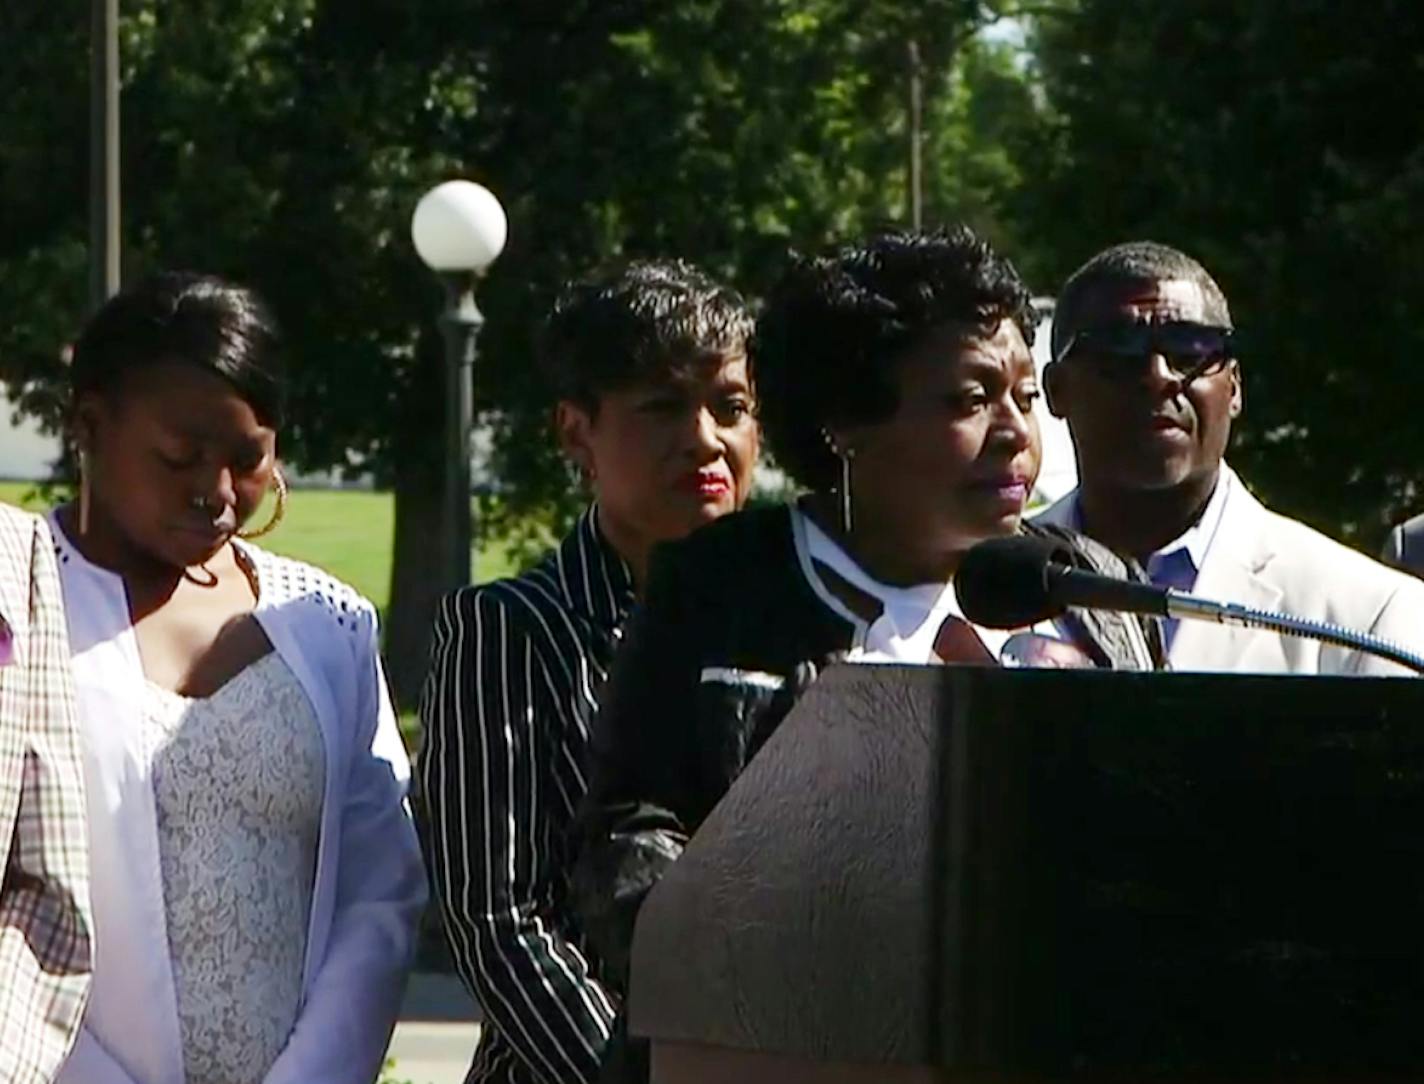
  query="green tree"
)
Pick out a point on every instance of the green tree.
point(1267, 140)
point(982, 117)
point(286, 142)
point(43, 196)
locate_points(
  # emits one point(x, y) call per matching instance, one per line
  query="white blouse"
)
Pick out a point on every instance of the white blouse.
point(911, 617)
point(237, 782)
point(368, 882)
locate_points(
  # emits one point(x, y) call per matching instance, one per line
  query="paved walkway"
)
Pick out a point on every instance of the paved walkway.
point(436, 1033)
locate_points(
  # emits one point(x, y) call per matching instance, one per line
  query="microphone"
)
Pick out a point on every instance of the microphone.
point(1009, 583)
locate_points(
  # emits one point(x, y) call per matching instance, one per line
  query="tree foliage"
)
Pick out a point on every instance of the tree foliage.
point(286, 142)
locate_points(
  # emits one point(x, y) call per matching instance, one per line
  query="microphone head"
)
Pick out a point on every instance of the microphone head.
point(1005, 583)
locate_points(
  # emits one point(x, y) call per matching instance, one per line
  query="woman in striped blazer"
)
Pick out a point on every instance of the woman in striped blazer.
point(655, 408)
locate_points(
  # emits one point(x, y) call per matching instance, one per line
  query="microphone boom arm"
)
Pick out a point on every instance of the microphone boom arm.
point(1008, 583)
point(1180, 604)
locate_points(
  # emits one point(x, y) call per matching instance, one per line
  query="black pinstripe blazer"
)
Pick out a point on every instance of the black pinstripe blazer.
point(515, 671)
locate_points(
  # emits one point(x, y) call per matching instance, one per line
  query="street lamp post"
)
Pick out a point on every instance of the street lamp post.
point(459, 229)
point(103, 151)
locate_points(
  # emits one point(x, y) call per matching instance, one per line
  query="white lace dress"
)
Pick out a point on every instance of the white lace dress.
point(238, 780)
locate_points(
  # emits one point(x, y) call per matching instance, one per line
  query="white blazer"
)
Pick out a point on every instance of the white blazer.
point(1262, 559)
point(369, 887)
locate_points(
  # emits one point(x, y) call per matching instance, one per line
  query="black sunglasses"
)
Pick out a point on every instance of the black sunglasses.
point(1122, 351)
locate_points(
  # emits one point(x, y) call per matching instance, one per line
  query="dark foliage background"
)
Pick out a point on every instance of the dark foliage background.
point(285, 143)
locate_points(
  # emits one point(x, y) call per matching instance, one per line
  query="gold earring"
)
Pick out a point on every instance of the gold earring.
point(279, 485)
point(84, 493)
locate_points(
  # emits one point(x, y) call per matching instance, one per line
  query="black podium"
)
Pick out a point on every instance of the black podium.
point(977, 874)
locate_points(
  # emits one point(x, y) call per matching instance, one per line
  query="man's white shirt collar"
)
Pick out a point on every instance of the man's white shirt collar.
point(1197, 538)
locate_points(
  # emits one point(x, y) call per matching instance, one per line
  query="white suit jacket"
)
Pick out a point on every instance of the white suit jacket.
point(1262, 559)
point(369, 887)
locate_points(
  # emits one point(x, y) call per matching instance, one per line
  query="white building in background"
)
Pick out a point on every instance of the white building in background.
point(26, 454)
point(1060, 469)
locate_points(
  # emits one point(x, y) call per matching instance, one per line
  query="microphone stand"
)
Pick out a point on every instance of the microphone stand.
point(1009, 582)
point(1182, 605)
point(1074, 587)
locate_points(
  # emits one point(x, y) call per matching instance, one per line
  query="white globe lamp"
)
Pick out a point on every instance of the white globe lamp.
point(459, 226)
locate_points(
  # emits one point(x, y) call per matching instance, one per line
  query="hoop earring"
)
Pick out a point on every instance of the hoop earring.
point(210, 580)
point(845, 456)
point(85, 497)
point(279, 484)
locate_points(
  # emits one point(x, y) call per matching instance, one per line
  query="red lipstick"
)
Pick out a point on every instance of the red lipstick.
point(709, 482)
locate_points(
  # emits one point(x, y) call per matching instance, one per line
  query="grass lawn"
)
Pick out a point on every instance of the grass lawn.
point(346, 532)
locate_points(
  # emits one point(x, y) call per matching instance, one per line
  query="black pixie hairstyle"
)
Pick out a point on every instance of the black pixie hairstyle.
point(645, 321)
point(835, 327)
point(189, 319)
point(1132, 261)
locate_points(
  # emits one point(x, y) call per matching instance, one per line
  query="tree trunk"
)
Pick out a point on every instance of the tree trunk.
point(418, 567)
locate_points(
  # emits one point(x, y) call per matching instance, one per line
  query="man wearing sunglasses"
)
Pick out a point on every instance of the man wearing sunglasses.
point(1145, 373)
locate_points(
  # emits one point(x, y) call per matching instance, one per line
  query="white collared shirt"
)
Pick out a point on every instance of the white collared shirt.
point(912, 616)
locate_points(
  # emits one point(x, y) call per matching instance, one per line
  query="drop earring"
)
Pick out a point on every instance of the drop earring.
point(846, 522)
point(845, 455)
point(84, 493)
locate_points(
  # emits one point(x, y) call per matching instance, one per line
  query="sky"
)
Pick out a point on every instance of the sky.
point(1007, 30)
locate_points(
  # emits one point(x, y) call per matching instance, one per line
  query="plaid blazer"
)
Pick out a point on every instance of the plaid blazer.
point(44, 895)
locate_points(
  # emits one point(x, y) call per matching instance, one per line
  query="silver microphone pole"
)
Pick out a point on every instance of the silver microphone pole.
point(1182, 605)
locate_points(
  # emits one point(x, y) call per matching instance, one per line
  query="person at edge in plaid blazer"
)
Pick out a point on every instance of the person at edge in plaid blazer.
point(44, 895)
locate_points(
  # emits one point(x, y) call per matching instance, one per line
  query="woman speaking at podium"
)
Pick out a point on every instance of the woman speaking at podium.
point(896, 385)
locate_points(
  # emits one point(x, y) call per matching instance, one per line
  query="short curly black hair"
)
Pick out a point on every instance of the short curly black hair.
point(645, 321)
point(836, 325)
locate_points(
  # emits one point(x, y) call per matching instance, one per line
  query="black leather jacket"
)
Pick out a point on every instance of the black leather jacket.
point(728, 635)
